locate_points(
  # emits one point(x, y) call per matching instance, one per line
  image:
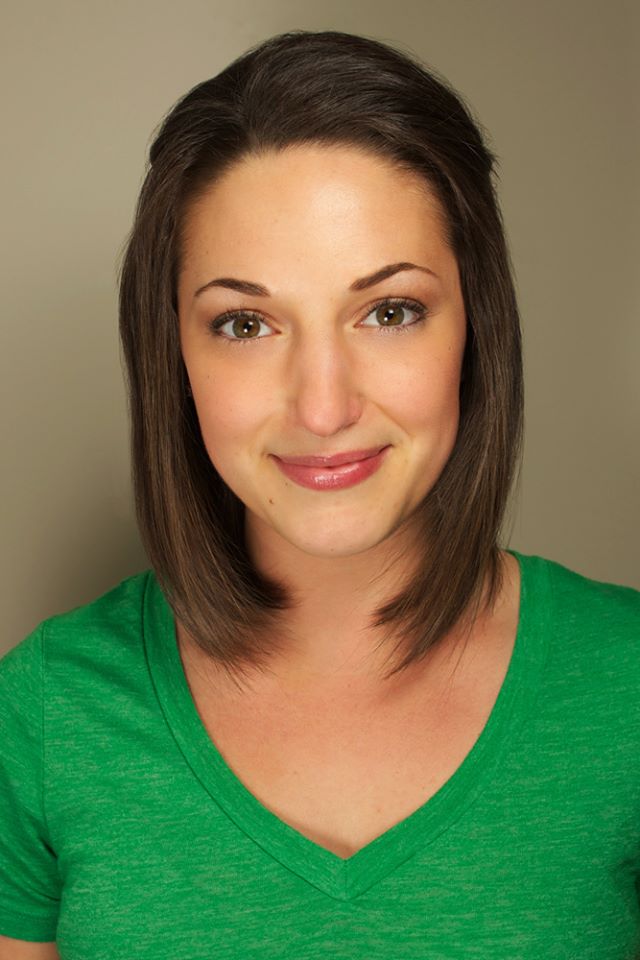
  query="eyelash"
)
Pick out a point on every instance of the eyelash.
point(418, 308)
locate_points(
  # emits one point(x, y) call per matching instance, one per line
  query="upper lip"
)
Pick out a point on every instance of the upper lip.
point(335, 459)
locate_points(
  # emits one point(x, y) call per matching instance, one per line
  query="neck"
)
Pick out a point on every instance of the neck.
point(331, 641)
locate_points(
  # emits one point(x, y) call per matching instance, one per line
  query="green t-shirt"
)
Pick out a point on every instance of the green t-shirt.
point(124, 835)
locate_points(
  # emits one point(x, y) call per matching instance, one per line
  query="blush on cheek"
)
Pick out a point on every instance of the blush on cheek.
point(427, 395)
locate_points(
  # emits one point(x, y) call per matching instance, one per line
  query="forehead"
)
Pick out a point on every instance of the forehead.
point(334, 180)
point(314, 203)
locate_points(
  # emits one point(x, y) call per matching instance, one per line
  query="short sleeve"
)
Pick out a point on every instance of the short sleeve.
point(29, 882)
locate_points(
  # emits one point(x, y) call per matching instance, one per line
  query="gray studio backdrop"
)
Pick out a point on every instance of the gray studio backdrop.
point(83, 85)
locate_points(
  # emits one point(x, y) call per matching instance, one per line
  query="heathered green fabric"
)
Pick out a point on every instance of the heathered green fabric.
point(125, 836)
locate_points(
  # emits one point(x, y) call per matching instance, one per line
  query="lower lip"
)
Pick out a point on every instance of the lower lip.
point(332, 478)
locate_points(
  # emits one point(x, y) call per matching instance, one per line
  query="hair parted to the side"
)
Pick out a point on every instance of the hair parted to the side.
point(328, 88)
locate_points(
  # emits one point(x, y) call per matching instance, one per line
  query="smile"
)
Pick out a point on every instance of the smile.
point(332, 472)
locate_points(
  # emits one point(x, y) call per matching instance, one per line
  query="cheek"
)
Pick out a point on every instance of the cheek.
point(229, 414)
point(222, 422)
point(425, 395)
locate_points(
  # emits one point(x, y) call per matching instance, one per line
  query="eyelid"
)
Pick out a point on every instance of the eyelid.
point(408, 303)
point(229, 316)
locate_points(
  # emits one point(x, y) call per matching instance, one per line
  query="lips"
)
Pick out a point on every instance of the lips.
point(333, 471)
point(334, 460)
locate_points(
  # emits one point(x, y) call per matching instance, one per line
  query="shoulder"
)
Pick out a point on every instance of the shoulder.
point(65, 685)
point(575, 596)
point(106, 625)
point(592, 626)
point(118, 609)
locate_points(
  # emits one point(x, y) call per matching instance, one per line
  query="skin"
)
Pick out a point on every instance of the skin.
point(11, 949)
point(323, 377)
point(306, 223)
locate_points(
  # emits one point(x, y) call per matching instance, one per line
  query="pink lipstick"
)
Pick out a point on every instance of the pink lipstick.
point(334, 472)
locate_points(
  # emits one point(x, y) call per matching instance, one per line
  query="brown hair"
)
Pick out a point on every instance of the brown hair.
point(328, 88)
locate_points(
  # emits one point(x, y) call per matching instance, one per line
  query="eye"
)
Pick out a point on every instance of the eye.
point(240, 325)
point(394, 313)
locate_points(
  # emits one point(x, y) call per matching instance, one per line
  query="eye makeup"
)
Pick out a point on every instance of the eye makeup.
point(248, 321)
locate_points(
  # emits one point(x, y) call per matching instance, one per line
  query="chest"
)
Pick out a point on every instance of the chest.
point(341, 776)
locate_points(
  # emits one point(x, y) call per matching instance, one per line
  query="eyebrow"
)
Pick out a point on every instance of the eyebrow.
point(257, 290)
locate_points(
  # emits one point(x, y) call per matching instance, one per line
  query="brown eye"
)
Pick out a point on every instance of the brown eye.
point(240, 326)
point(245, 327)
point(389, 315)
point(395, 313)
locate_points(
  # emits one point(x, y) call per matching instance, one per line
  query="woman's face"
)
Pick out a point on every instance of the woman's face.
point(325, 371)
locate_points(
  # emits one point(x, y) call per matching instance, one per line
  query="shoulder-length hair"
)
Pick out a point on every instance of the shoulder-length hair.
point(321, 88)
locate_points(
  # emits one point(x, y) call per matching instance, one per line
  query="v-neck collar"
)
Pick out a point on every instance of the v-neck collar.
point(341, 878)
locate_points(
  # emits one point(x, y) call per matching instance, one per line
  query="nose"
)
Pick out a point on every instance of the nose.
point(325, 396)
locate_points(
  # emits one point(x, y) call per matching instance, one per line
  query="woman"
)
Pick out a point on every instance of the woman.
point(336, 719)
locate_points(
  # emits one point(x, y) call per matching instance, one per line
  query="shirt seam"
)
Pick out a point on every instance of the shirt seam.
point(26, 926)
point(43, 741)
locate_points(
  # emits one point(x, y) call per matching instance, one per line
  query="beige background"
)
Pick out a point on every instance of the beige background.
point(83, 84)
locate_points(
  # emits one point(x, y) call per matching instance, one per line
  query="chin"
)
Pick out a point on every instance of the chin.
point(330, 542)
